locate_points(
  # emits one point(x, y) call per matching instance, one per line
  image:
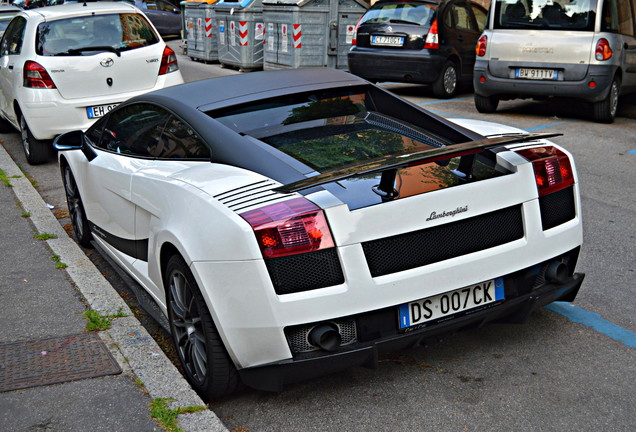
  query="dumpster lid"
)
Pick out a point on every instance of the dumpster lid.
point(235, 3)
point(300, 3)
point(202, 1)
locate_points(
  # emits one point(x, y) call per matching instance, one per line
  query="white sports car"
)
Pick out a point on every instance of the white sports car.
point(296, 223)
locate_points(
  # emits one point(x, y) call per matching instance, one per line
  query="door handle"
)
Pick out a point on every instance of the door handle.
point(10, 67)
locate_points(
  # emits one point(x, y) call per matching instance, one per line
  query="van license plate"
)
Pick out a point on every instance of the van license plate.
point(537, 74)
point(443, 305)
point(99, 110)
point(387, 40)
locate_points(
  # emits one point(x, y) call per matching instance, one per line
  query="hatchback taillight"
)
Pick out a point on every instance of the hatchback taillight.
point(432, 38)
point(603, 50)
point(35, 76)
point(168, 61)
point(552, 168)
point(480, 48)
point(291, 227)
point(354, 41)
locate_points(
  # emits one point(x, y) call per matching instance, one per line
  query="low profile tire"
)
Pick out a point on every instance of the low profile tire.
point(445, 86)
point(36, 151)
point(206, 363)
point(76, 209)
point(486, 104)
point(605, 110)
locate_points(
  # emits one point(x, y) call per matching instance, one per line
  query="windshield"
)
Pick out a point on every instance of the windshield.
point(327, 131)
point(400, 13)
point(88, 35)
point(577, 15)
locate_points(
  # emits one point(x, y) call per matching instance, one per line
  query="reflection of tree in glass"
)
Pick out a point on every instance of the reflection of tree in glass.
point(322, 109)
point(339, 150)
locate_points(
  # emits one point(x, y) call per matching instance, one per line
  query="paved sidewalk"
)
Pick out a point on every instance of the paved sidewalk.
point(54, 375)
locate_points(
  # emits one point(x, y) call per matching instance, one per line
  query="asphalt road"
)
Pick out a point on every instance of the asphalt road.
point(551, 374)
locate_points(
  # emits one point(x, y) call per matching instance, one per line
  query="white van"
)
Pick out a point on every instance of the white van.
point(584, 49)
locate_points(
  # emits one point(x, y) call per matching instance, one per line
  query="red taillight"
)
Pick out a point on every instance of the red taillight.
point(603, 50)
point(35, 76)
point(168, 61)
point(552, 168)
point(354, 41)
point(432, 38)
point(288, 228)
point(480, 48)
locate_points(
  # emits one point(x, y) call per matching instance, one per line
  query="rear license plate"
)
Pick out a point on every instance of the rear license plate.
point(537, 74)
point(99, 110)
point(387, 40)
point(447, 304)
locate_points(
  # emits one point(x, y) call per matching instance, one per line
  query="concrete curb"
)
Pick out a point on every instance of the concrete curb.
point(131, 344)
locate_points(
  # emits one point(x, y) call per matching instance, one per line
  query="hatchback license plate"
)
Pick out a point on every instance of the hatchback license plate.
point(537, 74)
point(387, 40)
point(442, 305)
point(99, 110)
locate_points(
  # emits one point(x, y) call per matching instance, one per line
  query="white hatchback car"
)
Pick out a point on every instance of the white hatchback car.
point(63, 67)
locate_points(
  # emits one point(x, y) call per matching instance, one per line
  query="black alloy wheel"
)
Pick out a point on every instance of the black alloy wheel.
point(35, 150)
point(76, 208)
point(207, 365)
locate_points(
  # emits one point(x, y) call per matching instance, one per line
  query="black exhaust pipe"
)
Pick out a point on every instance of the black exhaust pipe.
point(557, 272)
point(325, 336)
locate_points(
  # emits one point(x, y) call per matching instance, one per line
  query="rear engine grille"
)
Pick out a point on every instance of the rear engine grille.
point(304, 272)
point(298, 336)
point(557, 208)
point(427, 246)
point(254, 194)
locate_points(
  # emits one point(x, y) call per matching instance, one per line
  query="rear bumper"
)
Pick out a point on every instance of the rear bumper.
point(388, 65)
point(48, 114)
point(510, 88)
point(516, 309)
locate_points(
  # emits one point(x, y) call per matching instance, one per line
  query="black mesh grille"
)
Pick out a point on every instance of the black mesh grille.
point(419, 248)
point(557, 208)
point(303, 272)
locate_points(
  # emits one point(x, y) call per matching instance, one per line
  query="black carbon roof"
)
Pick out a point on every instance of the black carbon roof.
point(225, 91)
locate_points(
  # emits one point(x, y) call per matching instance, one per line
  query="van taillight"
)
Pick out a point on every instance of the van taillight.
point(432, 38)
point(603, 50)
point(291, 227)
point(168, 61)
point(552, 168)
point(35, 76)
point(480, 48)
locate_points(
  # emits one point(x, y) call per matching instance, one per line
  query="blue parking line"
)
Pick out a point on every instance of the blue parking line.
point(444, 100)
point(549, 125)
point(445, 114)
point(632, 152)
point(595, 322)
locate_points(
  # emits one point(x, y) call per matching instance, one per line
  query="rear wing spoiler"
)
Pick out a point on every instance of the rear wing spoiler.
point(388, 165)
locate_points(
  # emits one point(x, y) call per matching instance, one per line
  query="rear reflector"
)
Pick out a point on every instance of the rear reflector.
point(552, 168)
point(168, 61)
point(292, 227)
point(35, 76)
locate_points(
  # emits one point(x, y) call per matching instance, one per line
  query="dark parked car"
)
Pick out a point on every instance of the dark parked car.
point(428, 42)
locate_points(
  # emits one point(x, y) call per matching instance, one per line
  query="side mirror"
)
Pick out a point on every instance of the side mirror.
point(69, 141)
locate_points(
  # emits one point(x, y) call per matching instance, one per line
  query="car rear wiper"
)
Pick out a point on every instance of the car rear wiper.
point(93, 48)
point(399, 21)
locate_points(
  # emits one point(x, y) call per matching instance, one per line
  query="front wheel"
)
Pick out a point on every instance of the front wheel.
point(206, 363)
point(445, 86)
point(35, 150)
point(76, 209)
point(486, 104)
point(605, 110)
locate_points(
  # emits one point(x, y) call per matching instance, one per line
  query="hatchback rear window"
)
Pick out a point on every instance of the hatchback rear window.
point(89, 35)
point(400, 13)
point(576, 15)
